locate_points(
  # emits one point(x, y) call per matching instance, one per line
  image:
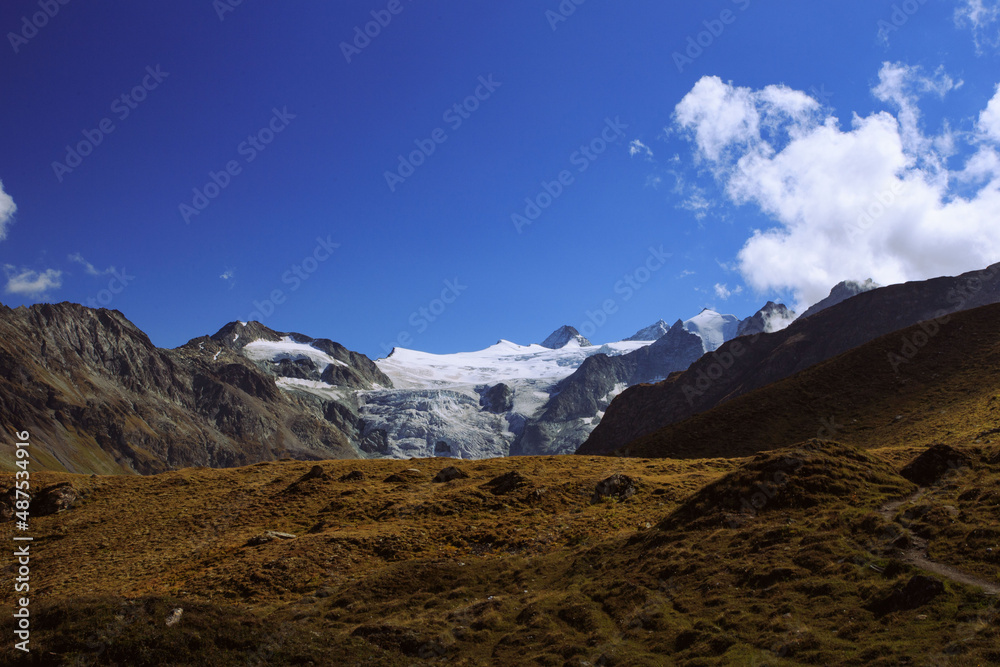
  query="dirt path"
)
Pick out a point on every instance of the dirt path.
point(916, 555)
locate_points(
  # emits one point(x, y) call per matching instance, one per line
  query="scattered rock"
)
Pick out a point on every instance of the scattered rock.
point(315, 473)
point(506, 483)
point(175, 616)
point(53, 499)
point(448, 474)
point(917, 592)
point(269, 536)
point(932, 465)
point(617, 486)
point(353, 476)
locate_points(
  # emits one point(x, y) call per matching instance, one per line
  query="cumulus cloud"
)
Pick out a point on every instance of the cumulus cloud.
point(88, 267)
point(723, 292)
point(983, 18)
point(29, 283)
point(872, 200)
point(989, 119)
point(7, 210)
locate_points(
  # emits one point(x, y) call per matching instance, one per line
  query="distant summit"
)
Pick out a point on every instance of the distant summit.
point(713, 328)
point(563, 336)
point(652, 332)
point(772, 317)
point(841, 292)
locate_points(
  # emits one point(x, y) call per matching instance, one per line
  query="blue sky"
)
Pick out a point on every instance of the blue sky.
point(664, 148)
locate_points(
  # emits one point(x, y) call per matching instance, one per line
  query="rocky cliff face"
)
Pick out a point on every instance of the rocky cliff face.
point(750, 362)
point(581, 399)
point(98, 396)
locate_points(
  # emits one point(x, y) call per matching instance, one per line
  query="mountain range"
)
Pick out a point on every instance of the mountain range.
point(105, 399)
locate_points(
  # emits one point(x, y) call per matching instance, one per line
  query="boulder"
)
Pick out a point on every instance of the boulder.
point(619, 487)
point(448, 474)
point(353, 476)
point(53, 499)
point(933, 464)
point(506, 483)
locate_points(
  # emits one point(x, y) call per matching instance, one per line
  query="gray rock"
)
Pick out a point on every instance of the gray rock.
point(497, 399)
point(448, 474)
point(618, 486)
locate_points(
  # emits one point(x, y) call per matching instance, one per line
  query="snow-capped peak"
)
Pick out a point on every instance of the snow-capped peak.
point(563, 336)
point(652, 332)
point(713, 328)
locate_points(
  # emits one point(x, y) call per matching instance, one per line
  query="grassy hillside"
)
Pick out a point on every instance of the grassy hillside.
point(708, 562)
point(946, 391)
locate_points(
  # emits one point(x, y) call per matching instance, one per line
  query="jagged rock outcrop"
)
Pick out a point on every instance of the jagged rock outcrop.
point(563, 336)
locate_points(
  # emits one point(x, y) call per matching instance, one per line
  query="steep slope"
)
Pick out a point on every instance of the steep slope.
point(100, 397)
point(841, 292)
point(871, 396)
point(748, 363)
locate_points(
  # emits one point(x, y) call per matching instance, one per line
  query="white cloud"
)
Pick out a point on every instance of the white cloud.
point(227, 275)
point(982, 17)
point(685, 273)
point(989, 119)
point(723, 292)
point(88, 267)
point(639, 148)
point(698, 204)
point(874, 200)
point(7, 210)
point(31, 283)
